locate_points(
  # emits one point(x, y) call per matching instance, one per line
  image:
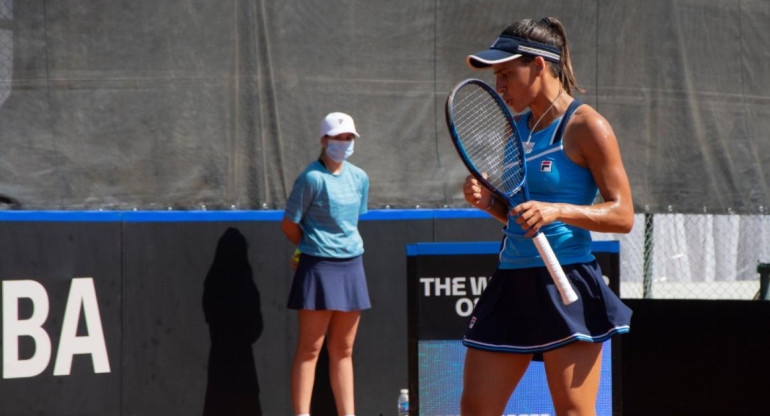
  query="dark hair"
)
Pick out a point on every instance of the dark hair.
point(549, 31)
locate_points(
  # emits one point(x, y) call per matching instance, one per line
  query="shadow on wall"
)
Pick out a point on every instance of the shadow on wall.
point(322, 401)
point(232, 309)
point(7, 202)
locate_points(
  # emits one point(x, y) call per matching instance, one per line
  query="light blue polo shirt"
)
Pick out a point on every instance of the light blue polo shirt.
point(326, 207)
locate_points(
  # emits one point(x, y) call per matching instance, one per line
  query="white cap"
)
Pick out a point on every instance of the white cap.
point(338, 123)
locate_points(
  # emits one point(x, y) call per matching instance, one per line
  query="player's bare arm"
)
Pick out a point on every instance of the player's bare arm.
point(590, 142)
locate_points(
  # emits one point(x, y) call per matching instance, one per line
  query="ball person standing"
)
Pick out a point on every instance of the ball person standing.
point(329, 288)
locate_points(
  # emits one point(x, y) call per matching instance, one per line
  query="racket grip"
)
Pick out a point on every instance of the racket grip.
point(566, 291)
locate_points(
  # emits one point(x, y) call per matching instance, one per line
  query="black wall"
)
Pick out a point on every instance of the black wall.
point(159, 276)
point(192, 307)
point(696, 358)
point(52, 254)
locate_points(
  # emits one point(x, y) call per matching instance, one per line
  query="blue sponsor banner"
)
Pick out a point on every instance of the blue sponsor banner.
point(215, 216)
point(441, 374)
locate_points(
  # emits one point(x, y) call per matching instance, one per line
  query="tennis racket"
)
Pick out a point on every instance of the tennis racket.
point(485, 135)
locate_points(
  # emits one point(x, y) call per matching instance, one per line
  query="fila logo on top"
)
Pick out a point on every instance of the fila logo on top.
point(81, 304)
point(546, 166)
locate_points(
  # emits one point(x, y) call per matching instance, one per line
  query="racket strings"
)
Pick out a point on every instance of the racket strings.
point(488, 138)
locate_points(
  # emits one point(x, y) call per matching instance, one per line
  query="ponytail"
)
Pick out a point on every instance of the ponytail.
point(565, 72)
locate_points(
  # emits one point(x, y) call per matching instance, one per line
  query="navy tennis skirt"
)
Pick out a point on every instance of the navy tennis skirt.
point(322, 283)
point(521, 311)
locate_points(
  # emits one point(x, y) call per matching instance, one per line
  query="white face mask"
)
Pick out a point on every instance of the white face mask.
point(339, 150)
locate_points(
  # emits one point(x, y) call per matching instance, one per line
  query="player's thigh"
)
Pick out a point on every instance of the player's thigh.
point(573, 373)
point(489, 379)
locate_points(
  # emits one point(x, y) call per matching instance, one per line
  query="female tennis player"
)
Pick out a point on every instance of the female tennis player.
point(572, 155)
point(329, 289)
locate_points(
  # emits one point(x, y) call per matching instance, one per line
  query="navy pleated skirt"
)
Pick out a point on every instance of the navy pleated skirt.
point(521, 311)
point(322, 283)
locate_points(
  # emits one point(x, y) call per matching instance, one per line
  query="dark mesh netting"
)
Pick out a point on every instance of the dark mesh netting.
point(154, 104)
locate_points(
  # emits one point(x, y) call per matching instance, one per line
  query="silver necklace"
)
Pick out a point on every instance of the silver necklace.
point(528, 145)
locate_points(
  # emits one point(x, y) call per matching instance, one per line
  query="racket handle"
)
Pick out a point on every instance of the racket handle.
point(566, 291)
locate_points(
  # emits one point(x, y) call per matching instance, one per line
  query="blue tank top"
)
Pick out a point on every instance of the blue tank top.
point(551, 177)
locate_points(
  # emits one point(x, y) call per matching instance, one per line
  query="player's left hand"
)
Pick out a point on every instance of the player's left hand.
point(533, 215)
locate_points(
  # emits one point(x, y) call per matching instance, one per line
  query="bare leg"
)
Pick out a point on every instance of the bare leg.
point(489, 379)
point(340, 339)
point(573, 378)
point(312, 329)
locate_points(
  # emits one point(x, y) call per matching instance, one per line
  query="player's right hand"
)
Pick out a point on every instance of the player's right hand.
point(475, 194)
